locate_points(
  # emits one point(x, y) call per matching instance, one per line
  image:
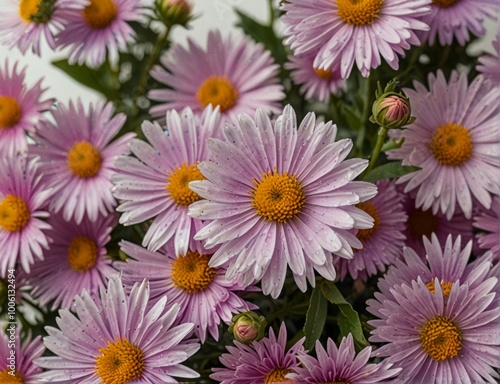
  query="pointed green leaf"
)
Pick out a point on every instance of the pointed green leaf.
point(315, 318)
point(389, 171)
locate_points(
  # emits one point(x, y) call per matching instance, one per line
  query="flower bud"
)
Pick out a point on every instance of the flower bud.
point(173, 12)
point(391, 109)
point(247, 327)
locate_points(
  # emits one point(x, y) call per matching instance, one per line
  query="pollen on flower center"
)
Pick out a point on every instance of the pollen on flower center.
point(441, 339)
point(120, 362)
point(82, 254)
point(325, 74)
point(359, 12)
point(422, 223)
point(84, 160)
point(7, 378)
point(178, 184)
point(192, 273)
point(10, 112)
point(365, 234)
point(277, 375)
point(445, 3)
point(28, 9)
point(14, 213)
point(451, 145)
point(445, 287)
point(100, 13)
point(217, 90)
point(278, 197)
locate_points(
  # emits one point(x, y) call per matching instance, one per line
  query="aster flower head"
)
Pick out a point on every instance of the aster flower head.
point(77, 253)
point(116, 339)
point(155, 183)
point(21, 108)
point(263, 361)
point(203, 293)
point(101, 30)
point(346, 32)
point(488, 223)
point(341, 365)
point(489, 64)
point(279, 195)
point(235, 74)
point(77, 158)
point(26, 24)
point(23, 203)
point(455, 140)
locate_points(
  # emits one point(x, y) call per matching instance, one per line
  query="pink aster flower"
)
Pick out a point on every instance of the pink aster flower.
point(488, 222)
point(489, 65)
point(455, 140)
point(155, 184)
point(450, 19)
point(101, 28)
point(77, 158)
point(263, 361)
point(280, 195)
point(238, 75)
point(23, 200)
point(382, 243)
point(17, 357)
point(341, 365)
point(345, 32)
point(77, 254)
point(115, 339)
point(25, 24)
point(203, 293)
point(20, 109)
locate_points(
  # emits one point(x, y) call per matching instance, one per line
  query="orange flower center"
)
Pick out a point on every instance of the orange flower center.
point(445, 3)
point(365, 234)
point(217, 90)
point(192, 273)
point(84, 160)
point(445, 287)
point(178, 184)
point(6, 377)
point(278, 376)
point(28, 9)
point(441, 339)
point(14, 213)
point(100, 13)
point(325, 74)
point(359, 12)
point(10, 112)
point(451, 145)
point(82, 254)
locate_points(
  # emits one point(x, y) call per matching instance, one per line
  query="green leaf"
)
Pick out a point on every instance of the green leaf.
point(389, 171)
point(315, 318)
point(347, 319)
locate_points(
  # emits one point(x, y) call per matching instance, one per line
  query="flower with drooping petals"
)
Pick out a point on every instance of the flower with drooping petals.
point(155, 184)
point(263, 361)
point(101, 30)
point(489, 221)
point(280, 195)
point(238, 75)
point(489, 65)
point(77, 158)
point(76, 254)
point(20, 109)
point(118, 340)
point(341, 365)
point(23, 203)
point(203, 293)
point(455, 140)
point(346, 32)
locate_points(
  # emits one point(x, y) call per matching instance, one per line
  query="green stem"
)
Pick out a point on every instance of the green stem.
point(382, 135)
point(271, 13)
point(365, 114)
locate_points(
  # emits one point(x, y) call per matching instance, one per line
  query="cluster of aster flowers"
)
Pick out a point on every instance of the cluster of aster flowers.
point(315, 199)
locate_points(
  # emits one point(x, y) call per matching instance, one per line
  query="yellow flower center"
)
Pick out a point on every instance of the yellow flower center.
point(7, 378)
point(278, 376)
point(82, 254)
point(325, 74)
point(217, 90)
point(119, 363)
point(100, 13)
point(10, 112)
point(28, 9)
point(14, 213)
point(422, 223)
point(178, 184)
point(445, 287)
point(192, 273)
point(84, 160)
point(359, 12)
point(445, 3)
point(451, 144)
point(278, 197)
point(441, 339)
point(365, 234)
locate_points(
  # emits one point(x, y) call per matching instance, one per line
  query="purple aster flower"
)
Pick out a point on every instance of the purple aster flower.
point(450, 19)
point(77, 158)
point(383, 242)
point(77, 254)
point(489, 221)
point(489, 65)
point(20, 109)
point(263, 361)
point(17, 357)
point(455, 140)
point(25, 24)
point(23, 200)
point(439, 338)
point(345, 32)
point(280, 196)
point(101, 28)
point(155, 184)
point(238, 75)
point(203, 293)
point(115, 339)
point(341, 365)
